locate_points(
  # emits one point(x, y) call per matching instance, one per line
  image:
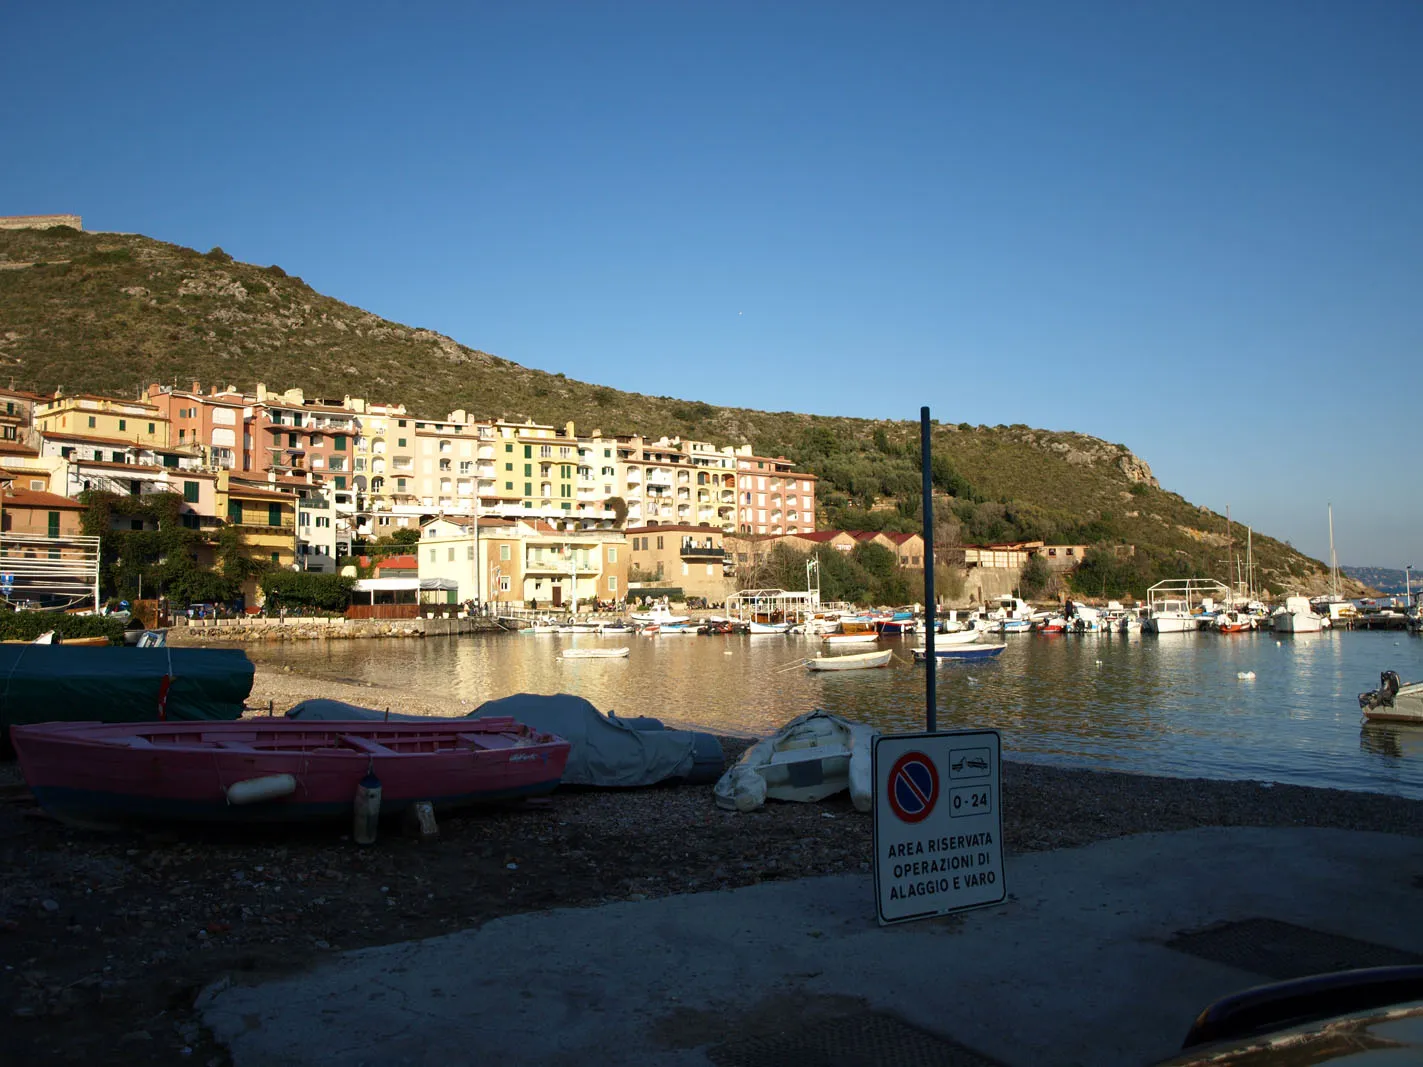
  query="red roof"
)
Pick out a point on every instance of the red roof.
point(33, 498)
point(817, 535)
point(398, 563)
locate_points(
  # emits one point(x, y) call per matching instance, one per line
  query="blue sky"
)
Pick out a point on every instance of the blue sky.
point(1193, 229)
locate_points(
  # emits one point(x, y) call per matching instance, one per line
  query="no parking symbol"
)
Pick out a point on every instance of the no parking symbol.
point(913, 787)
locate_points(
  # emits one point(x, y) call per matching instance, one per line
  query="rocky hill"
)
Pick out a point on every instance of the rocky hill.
point(112, 312)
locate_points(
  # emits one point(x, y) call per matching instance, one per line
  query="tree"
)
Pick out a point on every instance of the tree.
point(1033, 578)
point(308, 589)
point(619, 507)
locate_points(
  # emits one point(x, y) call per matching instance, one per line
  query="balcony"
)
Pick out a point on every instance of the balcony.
point(700, 552)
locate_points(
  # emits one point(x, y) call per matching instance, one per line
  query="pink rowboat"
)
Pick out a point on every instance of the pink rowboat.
point(284, 770)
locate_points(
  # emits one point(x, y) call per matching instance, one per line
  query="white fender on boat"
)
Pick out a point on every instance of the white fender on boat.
point(268, 787)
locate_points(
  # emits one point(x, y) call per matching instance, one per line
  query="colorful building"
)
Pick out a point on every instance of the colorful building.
point(691, 557)
point(772, 497)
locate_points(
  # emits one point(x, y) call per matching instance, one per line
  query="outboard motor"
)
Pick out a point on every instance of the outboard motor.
point(1384, 694)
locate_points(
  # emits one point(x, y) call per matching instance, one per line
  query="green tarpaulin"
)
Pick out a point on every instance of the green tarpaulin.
point(62, 683)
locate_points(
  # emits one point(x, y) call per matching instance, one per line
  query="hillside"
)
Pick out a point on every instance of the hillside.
point(111, 312)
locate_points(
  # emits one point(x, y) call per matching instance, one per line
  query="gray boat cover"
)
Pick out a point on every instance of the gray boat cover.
point(604, 751)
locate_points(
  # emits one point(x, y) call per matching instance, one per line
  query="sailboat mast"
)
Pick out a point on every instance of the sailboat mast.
point(1249, 563)
point(1333, 560)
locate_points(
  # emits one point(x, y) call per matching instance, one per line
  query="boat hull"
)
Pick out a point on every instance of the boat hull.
point(960, 652)
point(181, 772)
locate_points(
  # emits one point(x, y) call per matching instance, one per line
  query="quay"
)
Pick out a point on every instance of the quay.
point(1102, 954)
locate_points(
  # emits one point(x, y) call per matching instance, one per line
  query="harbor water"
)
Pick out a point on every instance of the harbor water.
point(1185, 705)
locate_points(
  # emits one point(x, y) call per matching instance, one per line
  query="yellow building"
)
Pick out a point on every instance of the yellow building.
point(133, 421)
point(266, 520)
point(535, 466)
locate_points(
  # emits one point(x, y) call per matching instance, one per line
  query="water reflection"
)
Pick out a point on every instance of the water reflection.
point(1175, 704)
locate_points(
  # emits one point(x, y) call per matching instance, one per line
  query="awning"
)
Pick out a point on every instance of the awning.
point(391, 585)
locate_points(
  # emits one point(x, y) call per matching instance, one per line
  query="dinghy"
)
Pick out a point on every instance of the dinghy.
point(813, 756)
point(853, 662)
point(595, 653)
point(277, 770)
point(960, 652)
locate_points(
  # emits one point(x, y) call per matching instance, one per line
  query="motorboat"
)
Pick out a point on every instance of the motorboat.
point(1169, 616)
point(277, 770)
point(852, 662)
point(813, 756)
point(754, 628)
point(659, 615)
point(1298, 617)
point(1393, 701)
point(957, 637)
point(1233, 622)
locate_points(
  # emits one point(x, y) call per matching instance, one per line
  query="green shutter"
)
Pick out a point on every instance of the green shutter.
point(54, 524)
point(170, 460)
point(234, 512)
point(274, 514)
point(528, 451)
point(340, 481)
point(190, 492)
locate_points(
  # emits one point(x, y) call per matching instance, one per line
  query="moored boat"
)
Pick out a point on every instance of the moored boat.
point(277, 770)
point(755, 628)
point(853, 662)
point(595, 653)
point(960, 652)
point(851, 639)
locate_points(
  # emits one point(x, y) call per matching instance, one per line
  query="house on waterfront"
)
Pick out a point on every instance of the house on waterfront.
point(691, 557)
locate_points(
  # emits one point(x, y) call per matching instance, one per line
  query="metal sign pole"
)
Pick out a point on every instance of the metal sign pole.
point(931, 664)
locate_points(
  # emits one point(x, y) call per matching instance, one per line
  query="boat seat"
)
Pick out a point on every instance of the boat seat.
point(240, 746)
point(365, 744)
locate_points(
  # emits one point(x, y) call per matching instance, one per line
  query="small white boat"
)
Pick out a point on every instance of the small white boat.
point(851, 639)
point(594, 653)
point(658, 616)
point(1393, 701)
point(813, 756)
point(853, 662)
point(671, 629)
point(957, 637)
point(769, 628)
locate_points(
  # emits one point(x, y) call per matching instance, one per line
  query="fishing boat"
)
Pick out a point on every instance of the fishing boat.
point(1393, 701)
point(595, 653)
point(658, 616)
point(1298, 617)
point(853, 662)
point(1233, 622)
point(674, 628)
point(960, 652)
point(277, 770)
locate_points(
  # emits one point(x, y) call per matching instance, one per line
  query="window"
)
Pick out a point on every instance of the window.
point(135, 524)
point(503, 552)
point(612, 583)
point(509, 448)
point(709, 570)
point(508, 466)
point(339, 443)
point(292, 440)
point(91, 422)
point(528, 451)
point(276, 557)
point(170, 460)
point(401, 424)
point(612, 554)
point(451, 557)
point(340, 481)
point(684, 569)
point(190, 492)
point(123, 424)
point(66, 451)
point(469, 552)
point(151, 428)
point(565, 490)
point(274, 514)
point(659, 541)
point(38, 485)
point(508, 487)
point(432, 555)
point(400, 442)
point(503, 584)
point(528, 489)
point(54, 524)
point(400, 485)
point(234, 511)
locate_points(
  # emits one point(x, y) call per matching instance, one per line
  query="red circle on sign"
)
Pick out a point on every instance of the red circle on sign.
point(913, 787)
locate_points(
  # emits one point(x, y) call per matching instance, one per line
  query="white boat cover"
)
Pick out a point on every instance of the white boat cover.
point(605, 751)
point(813, 756)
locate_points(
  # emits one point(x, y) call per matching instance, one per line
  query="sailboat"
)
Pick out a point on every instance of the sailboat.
point(1333, 606)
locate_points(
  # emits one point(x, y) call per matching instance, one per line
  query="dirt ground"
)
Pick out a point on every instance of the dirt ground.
point(106, 938)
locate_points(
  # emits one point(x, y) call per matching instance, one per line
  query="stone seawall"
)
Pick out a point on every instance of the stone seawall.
point(241, 631)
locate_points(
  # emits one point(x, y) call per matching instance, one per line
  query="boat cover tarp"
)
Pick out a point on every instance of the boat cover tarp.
point(67, 683)
point(605, 751)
